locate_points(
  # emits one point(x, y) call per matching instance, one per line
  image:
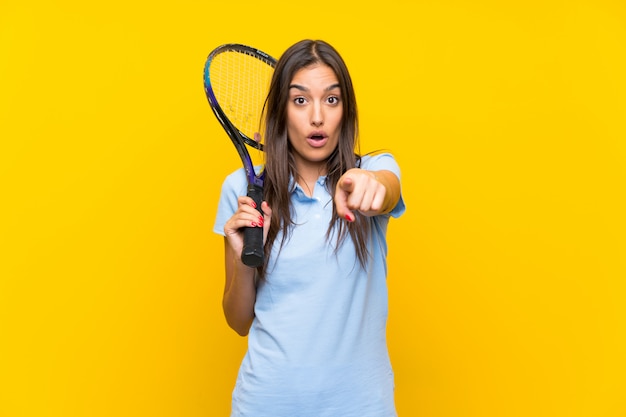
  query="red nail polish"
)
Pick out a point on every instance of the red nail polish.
point(253, 224)
point(253, 204)
point(349, 218)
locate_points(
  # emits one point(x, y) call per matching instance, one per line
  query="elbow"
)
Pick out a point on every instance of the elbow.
point(241, 327)
point(239, 315)
point(241, 330)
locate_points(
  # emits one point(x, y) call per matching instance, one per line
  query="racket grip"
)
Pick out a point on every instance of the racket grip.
point(252, 253)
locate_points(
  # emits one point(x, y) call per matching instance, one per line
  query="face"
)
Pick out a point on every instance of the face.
point(314, 112)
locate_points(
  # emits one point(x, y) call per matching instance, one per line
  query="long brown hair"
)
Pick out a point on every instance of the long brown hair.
point(280, 166)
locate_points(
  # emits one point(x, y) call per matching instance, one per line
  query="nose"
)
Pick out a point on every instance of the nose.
point(317, 116)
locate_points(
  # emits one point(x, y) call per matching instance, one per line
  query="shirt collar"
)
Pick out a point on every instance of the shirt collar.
point(296, 188)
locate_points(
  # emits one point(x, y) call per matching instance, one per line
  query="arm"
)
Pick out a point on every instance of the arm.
point(239, 291)
point(240, 286)
point(370, 192)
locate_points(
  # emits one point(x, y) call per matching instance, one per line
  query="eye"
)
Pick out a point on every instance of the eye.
point(299, 100)
point(334, 100)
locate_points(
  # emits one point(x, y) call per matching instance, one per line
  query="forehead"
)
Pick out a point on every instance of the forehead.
point(316, 75)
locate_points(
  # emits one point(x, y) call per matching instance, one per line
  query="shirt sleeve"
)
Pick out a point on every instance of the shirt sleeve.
point(233, 186)
point(386, 161)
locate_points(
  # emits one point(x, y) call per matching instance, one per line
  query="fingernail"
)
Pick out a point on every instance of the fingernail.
point(349, 218)
point(254, 224)
point(261, 220)
point(253, 204)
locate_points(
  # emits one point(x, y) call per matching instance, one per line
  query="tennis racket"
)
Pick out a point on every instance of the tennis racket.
point(236, 82)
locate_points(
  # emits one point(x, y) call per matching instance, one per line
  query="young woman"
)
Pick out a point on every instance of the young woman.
point(315, 313)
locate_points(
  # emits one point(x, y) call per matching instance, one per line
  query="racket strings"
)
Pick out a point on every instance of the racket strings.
point(240, 82)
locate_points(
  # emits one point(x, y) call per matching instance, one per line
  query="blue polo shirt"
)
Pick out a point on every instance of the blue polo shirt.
point(317, 344)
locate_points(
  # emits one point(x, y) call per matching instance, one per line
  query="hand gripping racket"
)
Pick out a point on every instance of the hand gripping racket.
point(236, 82)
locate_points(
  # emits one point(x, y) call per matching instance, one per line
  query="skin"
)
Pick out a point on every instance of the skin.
point(314, 116)
point(314, 113)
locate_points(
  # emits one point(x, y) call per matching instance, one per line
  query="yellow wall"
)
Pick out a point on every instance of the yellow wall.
point(507, 294)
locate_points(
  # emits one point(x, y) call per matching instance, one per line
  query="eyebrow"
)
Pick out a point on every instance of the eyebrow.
point(303, 88)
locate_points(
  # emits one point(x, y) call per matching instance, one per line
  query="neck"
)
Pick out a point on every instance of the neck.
point(306, 176)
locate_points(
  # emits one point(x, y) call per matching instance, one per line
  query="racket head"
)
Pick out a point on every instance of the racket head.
point(236, 82)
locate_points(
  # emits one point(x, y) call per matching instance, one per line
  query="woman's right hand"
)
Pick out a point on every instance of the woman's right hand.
point(246, 216)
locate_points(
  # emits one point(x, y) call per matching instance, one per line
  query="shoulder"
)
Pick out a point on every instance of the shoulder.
point(236, 182)
point(380, 161)
point(235, 178)
point(234, 185)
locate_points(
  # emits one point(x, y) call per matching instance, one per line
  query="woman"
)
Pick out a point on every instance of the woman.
point(315, 313)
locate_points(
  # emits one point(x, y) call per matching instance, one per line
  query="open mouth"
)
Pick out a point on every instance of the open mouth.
point(317, 139)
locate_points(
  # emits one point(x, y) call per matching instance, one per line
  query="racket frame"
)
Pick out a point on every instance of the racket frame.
point(252, 253)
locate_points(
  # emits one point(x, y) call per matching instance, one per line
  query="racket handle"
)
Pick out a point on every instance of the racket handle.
point(252, 253)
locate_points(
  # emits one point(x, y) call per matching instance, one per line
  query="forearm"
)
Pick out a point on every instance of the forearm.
point(392, 189)
point(239, 292)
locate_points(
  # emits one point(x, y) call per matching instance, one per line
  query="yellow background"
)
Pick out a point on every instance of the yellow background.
point(506, 274)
